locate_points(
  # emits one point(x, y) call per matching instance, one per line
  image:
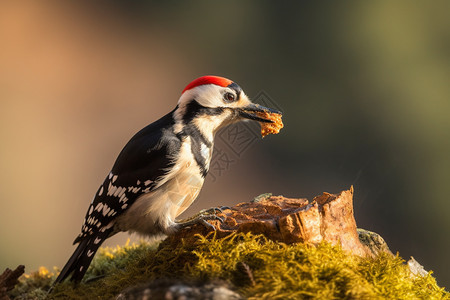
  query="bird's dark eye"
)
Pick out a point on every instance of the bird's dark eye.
point(229, 97)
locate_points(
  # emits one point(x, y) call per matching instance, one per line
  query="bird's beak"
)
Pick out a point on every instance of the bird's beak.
point(251, 112)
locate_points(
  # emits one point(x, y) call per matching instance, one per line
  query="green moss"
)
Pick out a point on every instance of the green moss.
point(257, 267)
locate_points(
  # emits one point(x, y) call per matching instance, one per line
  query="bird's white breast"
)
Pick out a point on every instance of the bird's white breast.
point(155, 212)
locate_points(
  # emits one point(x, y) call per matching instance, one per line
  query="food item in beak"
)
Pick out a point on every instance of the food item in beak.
point(270, 128)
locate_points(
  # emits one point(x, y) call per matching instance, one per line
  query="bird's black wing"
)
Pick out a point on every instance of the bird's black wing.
point(145, 158)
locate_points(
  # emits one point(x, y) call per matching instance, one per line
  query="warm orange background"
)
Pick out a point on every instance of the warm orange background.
point(364, 88)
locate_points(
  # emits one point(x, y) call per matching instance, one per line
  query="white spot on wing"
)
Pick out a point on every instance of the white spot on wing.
point(123, 198)
point(101, 191)
point(106, 209)
point(97, 240)
point(111, 189)
point(147, 182)
point(89, 253)
point(124, 206)
point(119, 191)
point(114, 178)
point(99, 207)
point(134, 189)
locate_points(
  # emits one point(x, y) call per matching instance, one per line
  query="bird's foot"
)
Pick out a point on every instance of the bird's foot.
point(202, 218)
point(212, 210)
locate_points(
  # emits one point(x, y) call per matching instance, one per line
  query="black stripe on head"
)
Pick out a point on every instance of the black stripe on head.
point(235, 87)
point(194, 110)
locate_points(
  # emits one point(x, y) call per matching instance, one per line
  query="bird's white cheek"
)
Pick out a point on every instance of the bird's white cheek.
point(208, 125)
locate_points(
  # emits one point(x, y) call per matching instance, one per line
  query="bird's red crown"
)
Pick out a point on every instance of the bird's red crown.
point(217, 80)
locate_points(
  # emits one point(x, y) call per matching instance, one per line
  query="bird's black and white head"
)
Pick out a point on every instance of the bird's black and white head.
point(212, 102)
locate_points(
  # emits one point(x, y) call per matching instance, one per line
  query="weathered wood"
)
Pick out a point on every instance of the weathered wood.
point(327, 217)
point(8, 279)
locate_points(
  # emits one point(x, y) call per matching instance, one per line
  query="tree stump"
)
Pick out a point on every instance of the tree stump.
point(327, 217)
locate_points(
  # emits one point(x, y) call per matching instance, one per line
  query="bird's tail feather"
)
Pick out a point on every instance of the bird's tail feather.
point(73, 262)
point(85, 259)
point(78, 263)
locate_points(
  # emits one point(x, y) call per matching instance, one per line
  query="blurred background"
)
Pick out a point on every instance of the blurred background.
point(364, 87)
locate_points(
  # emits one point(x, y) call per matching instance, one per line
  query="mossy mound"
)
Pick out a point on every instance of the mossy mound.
point(258, 268)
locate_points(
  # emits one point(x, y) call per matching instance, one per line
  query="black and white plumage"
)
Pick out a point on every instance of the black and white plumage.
point(160, 171)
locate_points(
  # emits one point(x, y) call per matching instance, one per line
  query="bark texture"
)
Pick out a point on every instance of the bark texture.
point(8, 279)
point(327, 217)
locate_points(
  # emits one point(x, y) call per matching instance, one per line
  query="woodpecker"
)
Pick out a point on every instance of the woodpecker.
point(160, 171)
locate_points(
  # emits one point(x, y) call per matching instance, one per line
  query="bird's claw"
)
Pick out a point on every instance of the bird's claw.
point(202, 218)
point(213, 210)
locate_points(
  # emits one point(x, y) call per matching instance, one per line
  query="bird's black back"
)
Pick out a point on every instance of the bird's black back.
point(144, 159)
